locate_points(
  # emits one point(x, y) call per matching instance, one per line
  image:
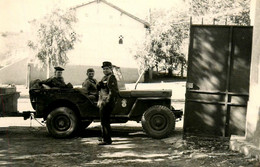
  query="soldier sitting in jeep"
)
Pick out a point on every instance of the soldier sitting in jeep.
point(90, 85)
point(56, 81)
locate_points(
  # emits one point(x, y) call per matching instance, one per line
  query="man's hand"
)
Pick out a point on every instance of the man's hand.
point(45, 86)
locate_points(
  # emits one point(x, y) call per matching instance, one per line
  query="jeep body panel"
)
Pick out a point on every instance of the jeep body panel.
point(44, 100)
point(131, 104)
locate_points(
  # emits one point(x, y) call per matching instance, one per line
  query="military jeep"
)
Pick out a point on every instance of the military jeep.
point(66, 111)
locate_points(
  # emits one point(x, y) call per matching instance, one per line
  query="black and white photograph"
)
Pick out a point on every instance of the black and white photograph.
point(156, 83)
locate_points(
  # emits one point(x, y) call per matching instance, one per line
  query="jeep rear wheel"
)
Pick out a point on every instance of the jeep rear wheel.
point(62, 122)
point(158, 122)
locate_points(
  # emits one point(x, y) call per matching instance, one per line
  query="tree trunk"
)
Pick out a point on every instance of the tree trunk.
point(182, 69)
point(150, 70)
point(28, 78)
point(48, 67)
point(169, 72)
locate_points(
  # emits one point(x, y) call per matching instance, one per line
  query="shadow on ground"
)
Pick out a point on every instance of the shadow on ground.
point(33, 146)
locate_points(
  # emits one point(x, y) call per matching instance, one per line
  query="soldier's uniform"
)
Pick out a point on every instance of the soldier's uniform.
point(91, 87)
point(107, 98)
point(56, 82)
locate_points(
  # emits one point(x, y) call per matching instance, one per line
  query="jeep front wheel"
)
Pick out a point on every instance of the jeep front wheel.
point(62, 122)
point(158, 122)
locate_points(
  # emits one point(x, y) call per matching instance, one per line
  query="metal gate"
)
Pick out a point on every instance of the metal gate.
point(217, 80)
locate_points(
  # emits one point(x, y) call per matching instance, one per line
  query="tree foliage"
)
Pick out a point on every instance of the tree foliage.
point(54, 37)
point(166, 43)
point(234, 11)
point(163, 44)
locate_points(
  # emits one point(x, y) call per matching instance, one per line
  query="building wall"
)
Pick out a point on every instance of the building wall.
point(15, 73)
point(20, 72)
point(99, 27)
point(253, 113)
point(76, 74)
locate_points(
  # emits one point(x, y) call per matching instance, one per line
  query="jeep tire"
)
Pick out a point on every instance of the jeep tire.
point(158, 121)
point(62, 122)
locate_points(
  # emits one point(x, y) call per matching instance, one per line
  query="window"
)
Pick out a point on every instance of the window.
point(121, 39)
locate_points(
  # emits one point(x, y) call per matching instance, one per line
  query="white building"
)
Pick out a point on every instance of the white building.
point(106, 33)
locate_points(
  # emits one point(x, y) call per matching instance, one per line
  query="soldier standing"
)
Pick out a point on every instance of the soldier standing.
point(57, 80)
point(90, 85)
point(107, 98)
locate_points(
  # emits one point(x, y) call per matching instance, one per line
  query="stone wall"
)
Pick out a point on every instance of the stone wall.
point(17, 73)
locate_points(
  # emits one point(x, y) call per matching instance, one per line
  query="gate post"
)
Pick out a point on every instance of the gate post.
point(253, 112)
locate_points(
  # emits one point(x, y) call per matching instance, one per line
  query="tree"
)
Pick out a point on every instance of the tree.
point(167, 47)
point(162, 47)
point(234, 11)
point(166, 44)
point(54, 37)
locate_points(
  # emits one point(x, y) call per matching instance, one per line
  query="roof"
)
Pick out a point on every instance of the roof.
point(146, 24)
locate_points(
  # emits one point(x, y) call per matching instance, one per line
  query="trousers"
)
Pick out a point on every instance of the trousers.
point(105, 112)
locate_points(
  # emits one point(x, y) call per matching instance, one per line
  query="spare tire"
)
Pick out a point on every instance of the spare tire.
point(62, 122)
point(158, 121)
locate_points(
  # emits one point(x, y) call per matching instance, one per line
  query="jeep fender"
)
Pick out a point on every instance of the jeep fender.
point(142, 104)
point(61, 103)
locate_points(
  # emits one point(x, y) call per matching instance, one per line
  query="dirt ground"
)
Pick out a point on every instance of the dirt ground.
point(30, 145)
point(27, 143)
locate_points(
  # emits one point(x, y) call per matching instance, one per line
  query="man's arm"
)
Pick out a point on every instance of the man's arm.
point(46, 82)
point(86, 85)
point(113, 88)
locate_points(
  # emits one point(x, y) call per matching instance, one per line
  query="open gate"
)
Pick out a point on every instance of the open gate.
point(217, 80)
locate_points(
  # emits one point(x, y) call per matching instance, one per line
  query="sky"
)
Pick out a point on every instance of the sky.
point(15, 14)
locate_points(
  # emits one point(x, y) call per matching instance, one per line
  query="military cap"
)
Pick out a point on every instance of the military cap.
point(58, 68)
point(106, 64)
point(90, 70)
